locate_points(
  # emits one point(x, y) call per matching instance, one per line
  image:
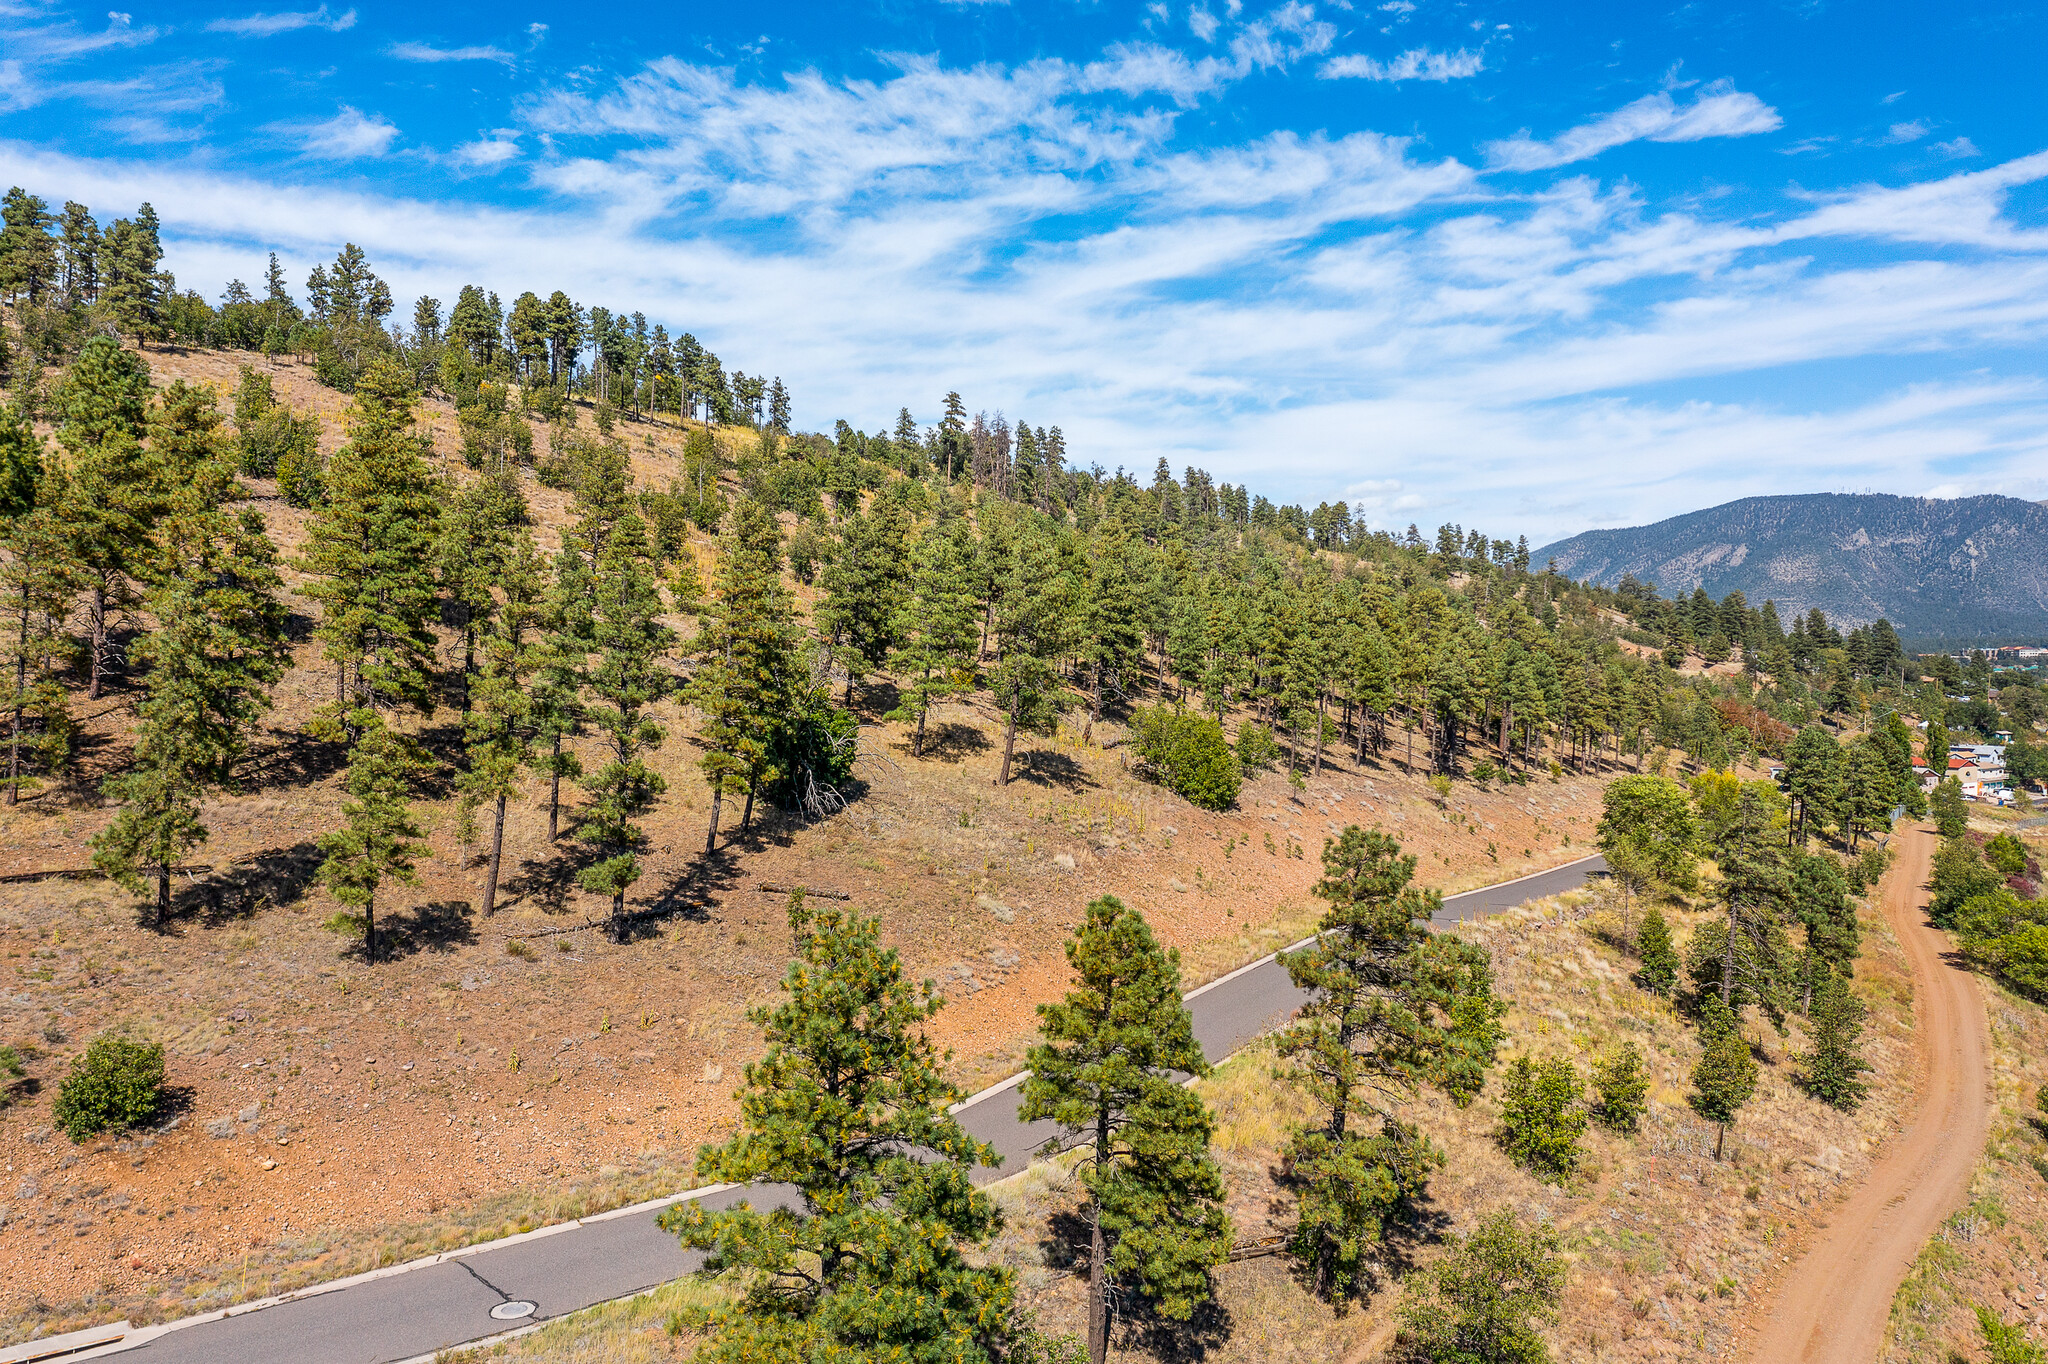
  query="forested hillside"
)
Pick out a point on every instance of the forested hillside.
point(1966, 570)
point(328, 652)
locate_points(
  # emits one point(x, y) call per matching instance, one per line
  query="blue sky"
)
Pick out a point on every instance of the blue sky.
point(1530, 267)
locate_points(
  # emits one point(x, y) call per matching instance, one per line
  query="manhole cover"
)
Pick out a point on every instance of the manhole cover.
point(512, 1311)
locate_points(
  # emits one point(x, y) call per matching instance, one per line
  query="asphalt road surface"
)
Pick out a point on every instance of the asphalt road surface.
point(409, 1315)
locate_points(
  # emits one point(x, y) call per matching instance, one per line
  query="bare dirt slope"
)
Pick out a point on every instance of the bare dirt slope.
point(1831, 1305)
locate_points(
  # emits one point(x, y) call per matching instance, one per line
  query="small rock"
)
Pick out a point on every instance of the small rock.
point(1178, 885)
point(268, 1164)
point(996, 907)
point(1169, 831)
point(220, 1128)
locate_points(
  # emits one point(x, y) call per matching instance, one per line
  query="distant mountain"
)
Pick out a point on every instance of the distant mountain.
point(1971, 569)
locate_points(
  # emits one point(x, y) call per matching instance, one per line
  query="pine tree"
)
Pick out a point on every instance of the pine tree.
point(560, 662)
point(1479, 1303)
point(1111, 638)
point(1391, 1007)
point(499, 727)
point(1540, 1117)
point(112, 497)
point(475, 537)
point(850, 1107)
point(1623, 1083)
point(1033, 627)
point(936, 627)
point(1830, 1068)
point(371, 549)
point(746, 671)
point(1752, 893)
point(1658, 969)
point(218, 646)
point(1951, 814)
point(1105, 1074)
point(37, 584)
point(629, 642)
point(866, 588)
point(1724, 1077)
point(1817, 893)
point(378, 843)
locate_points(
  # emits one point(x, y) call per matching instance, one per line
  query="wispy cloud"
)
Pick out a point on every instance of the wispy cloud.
point(1906, 132)
point(424, 52)
point(492, 152)
point(1958, 148)
point(1720, 110)
point(1415, 64)
point(348, 136)
point(270, 25)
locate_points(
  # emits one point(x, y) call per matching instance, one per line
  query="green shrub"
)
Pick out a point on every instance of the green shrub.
point(1189, 754)
point(1540, 1118)
point(1256, 748)
point(2008, 1344)
point(119, 1082)
point(12, 1073)
point(1623, 1084)
point(1830, 1070)
point(2007, 854)
point(1483, 1301)
point(301, 473)
point(1659, 969)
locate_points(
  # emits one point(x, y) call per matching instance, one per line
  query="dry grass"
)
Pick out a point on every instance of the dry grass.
point(650, 1328)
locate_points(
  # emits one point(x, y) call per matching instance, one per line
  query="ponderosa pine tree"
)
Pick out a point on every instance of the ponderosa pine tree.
point(1112, 642)
point(499, 728)
point(112, 493)
point(625, 678)
point(1033, 627)
point(1813, 779)
point(370, 548)
point(1817, 894)
point(560, 664)
point(1724, 1077)
point(1834, 1060)
point(38, 583)
point(218, 646)
point(1868, 791)
point(867, 584)
point(1106, 1073)
point(476, 535)
point(378, 840)
point(747, 665)
point(1752, 894)
point(850, 1107)
point(936, 627)
point(1657, 959)
point(1392, 1007)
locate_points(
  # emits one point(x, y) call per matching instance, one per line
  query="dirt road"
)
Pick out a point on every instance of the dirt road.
point(1832, 1306)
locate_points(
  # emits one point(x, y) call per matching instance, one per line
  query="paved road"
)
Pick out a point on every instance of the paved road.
point(410, 1315)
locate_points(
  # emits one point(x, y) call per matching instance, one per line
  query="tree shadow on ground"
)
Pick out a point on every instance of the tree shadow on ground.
point(275, 876)
point(1048, 767)
point(688, 895)
point(955, 740)
point(438, 926)
point(294, 760)
point(549, 882)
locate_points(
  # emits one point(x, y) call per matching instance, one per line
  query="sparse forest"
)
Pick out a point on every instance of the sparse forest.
point(783, 588)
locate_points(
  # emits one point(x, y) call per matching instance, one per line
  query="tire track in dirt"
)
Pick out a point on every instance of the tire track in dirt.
point(1831, 1307)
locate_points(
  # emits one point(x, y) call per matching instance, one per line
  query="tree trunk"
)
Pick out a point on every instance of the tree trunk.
point(1098, 1256)
point(1009, 746)
point(917, 739)
point(555, 791)
point(1728, 965)
point(99, 638)
point(619, 914)
point(163, 894)
point(1319, 732)
point(717, 799)
point(14, 735)
point(497, 853)
point(370, 930)
point(747, 814)
point(1720, 1134)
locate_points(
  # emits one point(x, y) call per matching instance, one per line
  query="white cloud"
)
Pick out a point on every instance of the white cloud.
point(1415, 64)
point(1720, 110)
point(269, 25)
point(348, 136)
point(1322, 316)
point(1202, 24)
point(422, 52)
point(1906, 132)
point(1958, 148)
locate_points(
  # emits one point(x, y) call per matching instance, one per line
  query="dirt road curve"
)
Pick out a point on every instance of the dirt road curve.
point(1832, 1306)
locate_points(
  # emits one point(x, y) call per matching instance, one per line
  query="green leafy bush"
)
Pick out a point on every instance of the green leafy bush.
point(1540, 1118)
point(2008, 854)
point(119, 1082)
point(1189, 754)
point(12, 1073)
point(1257, 749)
point(1623, 1083)
point(1485, 1299)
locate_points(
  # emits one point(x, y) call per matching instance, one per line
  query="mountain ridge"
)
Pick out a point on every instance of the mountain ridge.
point(1970, 569)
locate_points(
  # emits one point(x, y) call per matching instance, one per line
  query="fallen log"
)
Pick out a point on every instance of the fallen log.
point(774, 889)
